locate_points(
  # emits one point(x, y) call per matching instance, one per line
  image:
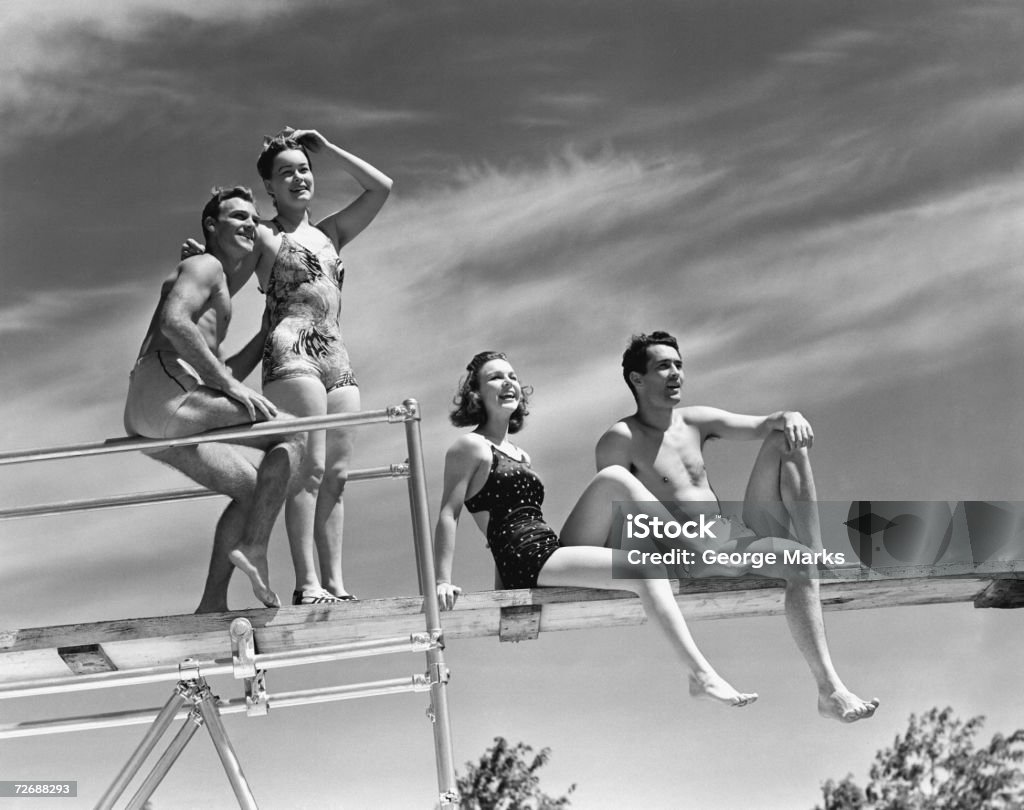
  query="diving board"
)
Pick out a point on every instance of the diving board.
point(129, 646)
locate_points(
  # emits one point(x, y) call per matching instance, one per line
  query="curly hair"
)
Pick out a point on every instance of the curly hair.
point(469, 410)
point(218, 195)
point(635, 356)
point(275, 145)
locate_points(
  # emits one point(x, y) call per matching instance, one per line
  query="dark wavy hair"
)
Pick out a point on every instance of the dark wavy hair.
point(219, 194)
point(469, 410)
point(635, 356)
point(275, 145)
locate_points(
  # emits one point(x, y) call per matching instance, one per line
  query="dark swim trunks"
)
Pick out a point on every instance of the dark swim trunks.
point(519, 539)
point(304, 303)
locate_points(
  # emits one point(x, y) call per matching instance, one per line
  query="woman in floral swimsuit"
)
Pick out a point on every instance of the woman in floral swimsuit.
point(306, 369)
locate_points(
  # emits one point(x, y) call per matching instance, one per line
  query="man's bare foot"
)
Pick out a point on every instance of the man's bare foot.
point(846, 707)
point(714, 687)
point(253, 564)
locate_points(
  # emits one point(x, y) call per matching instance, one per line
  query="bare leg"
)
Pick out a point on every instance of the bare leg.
point(329, 518)
point(276, 475)
point(806, 625)
point(230, 527)
point(257, 495)
point(578, 563)
point(590, 523)
point(221, 468)
point(781, 494)
point(591, 567)
point(303, 396)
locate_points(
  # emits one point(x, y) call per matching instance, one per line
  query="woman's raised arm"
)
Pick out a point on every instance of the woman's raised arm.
point(345, 225)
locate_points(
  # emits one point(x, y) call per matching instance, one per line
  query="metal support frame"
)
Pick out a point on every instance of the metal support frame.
point(247, 663)
point(194, 689)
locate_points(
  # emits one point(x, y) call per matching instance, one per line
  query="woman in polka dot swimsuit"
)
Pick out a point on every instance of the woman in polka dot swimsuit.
point(493, 479)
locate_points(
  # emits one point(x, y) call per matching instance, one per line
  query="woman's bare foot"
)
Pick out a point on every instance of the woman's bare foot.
point(844, 706)
point(253, 563)
point(714, 687)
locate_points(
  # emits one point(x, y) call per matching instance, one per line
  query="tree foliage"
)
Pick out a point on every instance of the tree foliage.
point(936, 766)
point(506, 778)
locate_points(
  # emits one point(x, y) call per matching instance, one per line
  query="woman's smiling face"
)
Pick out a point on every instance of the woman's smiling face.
point(499, 388)
point(291, 179)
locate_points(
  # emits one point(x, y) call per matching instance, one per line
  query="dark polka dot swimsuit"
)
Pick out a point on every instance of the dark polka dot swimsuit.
point(519, 539)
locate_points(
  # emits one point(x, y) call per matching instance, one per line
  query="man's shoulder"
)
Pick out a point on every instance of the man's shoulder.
point(623, 428)
point(696, 414)
point(616, 445)
point(201, 266)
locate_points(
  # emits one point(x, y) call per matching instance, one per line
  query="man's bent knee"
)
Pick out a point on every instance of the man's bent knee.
point(776, 441)
point(621, 480)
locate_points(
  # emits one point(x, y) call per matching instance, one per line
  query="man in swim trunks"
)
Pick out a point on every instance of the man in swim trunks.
point(181, 386)
point(662, 445)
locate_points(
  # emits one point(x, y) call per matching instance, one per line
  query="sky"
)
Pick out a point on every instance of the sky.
point(820, 199)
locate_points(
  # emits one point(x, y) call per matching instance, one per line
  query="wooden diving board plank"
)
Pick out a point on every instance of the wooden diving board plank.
point(130, 644)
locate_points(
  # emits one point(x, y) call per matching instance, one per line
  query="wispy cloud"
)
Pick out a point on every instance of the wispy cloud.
point(832, 47)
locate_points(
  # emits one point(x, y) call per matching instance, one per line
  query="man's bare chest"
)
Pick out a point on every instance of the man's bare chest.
point(670, 461)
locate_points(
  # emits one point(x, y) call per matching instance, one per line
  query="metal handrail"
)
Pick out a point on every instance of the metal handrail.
point(365, 648)
point(167, 496)
point(273, 427)
point(390, 686)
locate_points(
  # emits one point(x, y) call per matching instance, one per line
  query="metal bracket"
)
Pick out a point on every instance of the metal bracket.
point(186, 690)
point(188, 670)
point(243, 649)
point(421, 683)
point(256, 700)
point(400, 413)
point(195, 717)
point(243, 664)
point(519, 623)
point(438, 674)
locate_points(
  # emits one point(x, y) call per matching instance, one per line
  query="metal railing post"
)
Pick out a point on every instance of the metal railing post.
point(436, 668)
